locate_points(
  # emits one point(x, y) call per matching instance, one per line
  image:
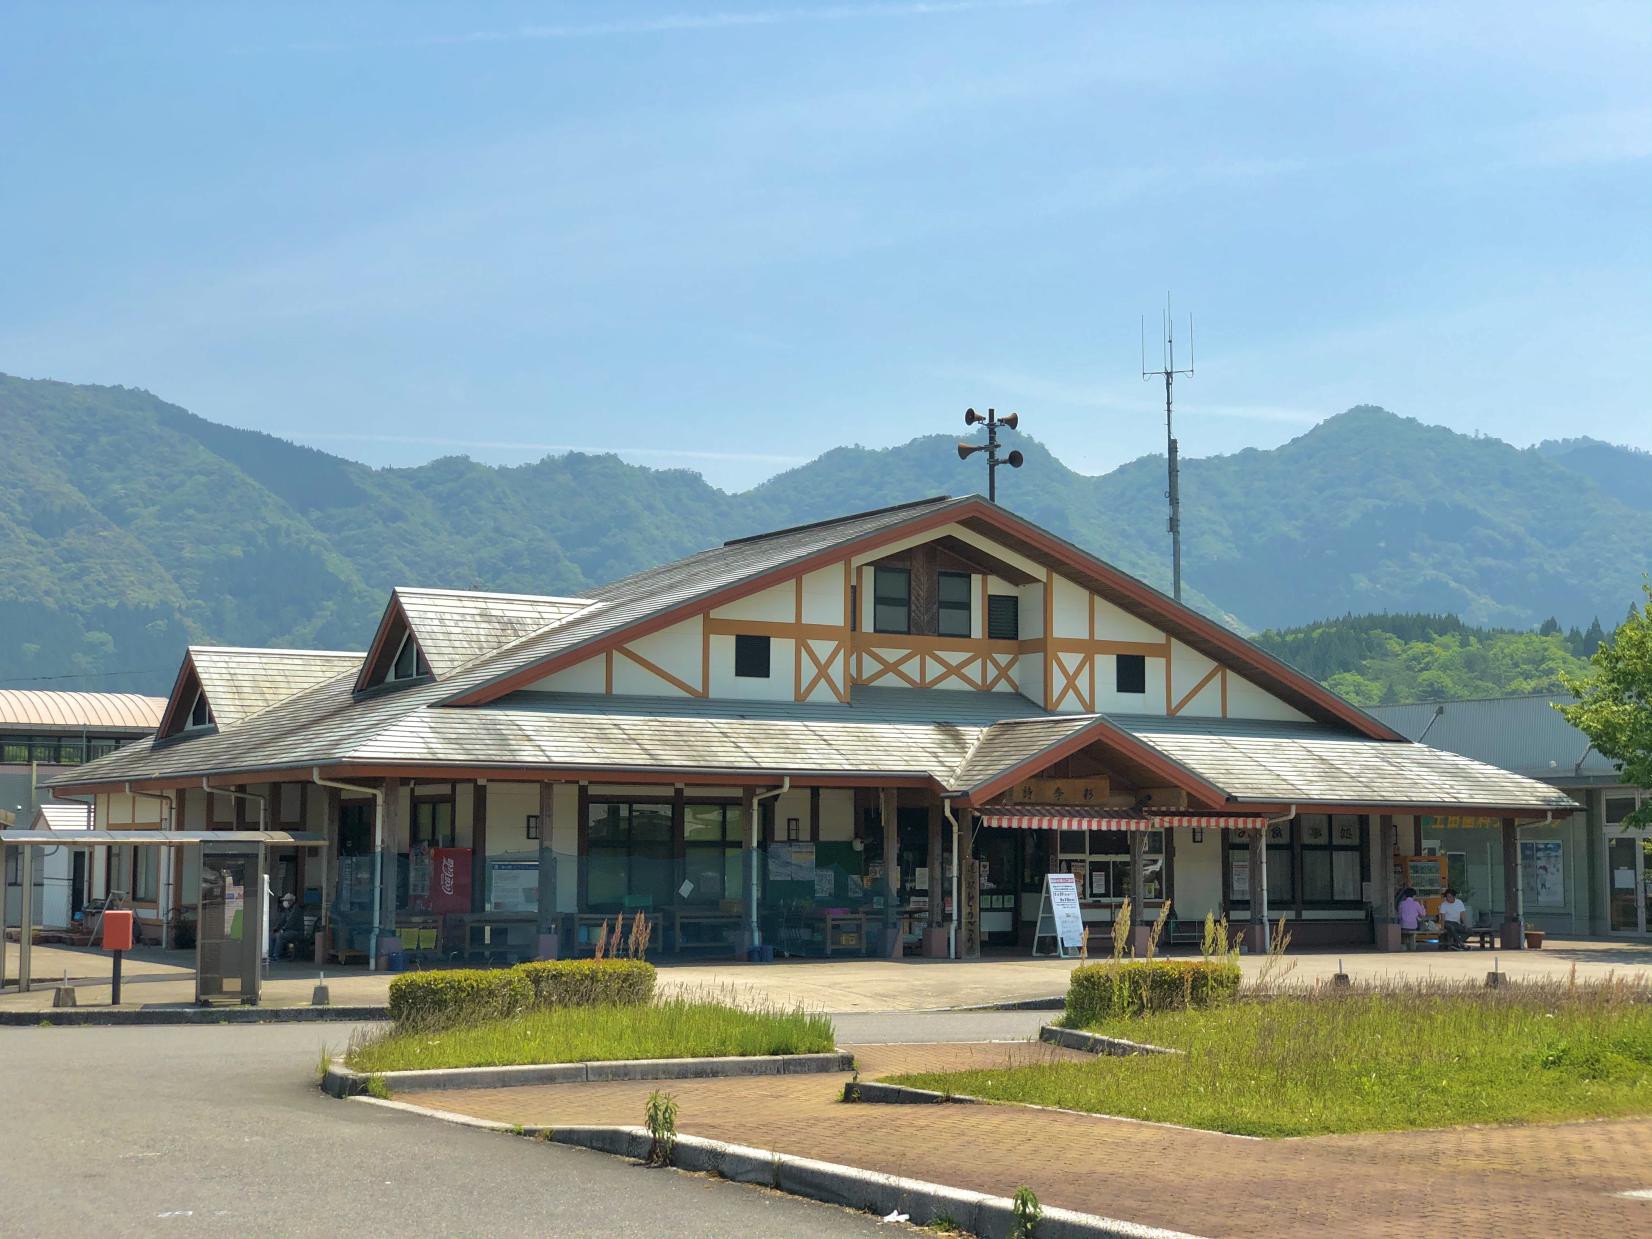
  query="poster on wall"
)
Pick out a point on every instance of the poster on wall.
point(1543, 873)
point(792, 862)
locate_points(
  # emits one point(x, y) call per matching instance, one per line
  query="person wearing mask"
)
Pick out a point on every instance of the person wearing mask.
point(1411, 912)
point(1453, 922)
point(289, 927)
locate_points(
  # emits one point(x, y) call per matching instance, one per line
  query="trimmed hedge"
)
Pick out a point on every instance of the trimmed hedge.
point(459, 995)
point(590, 982)
point(1105, 991)
point(464, 996)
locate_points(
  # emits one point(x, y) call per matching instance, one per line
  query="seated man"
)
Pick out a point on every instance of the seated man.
point(1453, 922)
point(288, 929)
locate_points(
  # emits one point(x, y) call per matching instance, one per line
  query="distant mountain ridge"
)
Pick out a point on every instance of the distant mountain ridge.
point(129, 526)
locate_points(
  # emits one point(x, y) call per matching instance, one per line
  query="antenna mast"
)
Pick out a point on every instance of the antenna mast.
point(1168, 372)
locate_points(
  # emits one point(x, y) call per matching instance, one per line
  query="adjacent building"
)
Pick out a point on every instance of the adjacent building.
point(1585, 873)
point(791, 740)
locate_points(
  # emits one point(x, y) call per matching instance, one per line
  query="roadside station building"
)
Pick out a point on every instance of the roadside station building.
point(788, 740)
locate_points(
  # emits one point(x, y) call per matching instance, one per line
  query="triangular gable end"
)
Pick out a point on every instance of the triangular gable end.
point(394, 658)
point(188, 711)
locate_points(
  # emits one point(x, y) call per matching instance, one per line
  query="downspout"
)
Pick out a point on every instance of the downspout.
point(1262, 842)
point(171, 895)
point(377, 793)
point(957, 866)
point(752, 927)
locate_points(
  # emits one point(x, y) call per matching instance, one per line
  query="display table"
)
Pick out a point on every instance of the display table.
point(704, 929)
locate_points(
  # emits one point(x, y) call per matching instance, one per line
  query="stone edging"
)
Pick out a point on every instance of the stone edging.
point(989, 1217)
point(63, 1017)
point(1095, 1043)
point(342, 1082)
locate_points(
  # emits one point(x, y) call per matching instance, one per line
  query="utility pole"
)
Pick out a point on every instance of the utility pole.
point(1168, 372)
point(965, 450)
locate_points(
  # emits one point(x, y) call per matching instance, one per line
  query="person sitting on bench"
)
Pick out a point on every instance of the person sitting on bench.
point(289, 927)
point(1453, 922)
point(1411, 914)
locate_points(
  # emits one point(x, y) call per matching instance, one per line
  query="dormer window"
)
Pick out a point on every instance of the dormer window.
point(200, 714)
point(410, 663)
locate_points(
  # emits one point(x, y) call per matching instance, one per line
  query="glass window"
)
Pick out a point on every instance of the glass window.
point(1101, 861)
point(630, 861)
point(433, 823)
point(14, 752)
point(146, 881)
point(1281, 874)
point(200, 714)
point(891, 600)
point(1132, 673)
point(1332, 857)
point(1003, 617)
point(955, 613)
point(410, 662)
point(1618, 808)
point(751, 657)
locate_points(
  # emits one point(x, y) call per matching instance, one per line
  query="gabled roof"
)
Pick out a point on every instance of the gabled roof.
point(455, 627)
point(57, 711)
point(659, 597)
point(1525, 734)
point(239, 683)
point(656, 597)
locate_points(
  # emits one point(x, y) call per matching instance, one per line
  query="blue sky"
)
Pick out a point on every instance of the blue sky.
point(730, 236)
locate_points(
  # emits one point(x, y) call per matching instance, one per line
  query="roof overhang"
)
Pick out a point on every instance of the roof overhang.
point(158, 838)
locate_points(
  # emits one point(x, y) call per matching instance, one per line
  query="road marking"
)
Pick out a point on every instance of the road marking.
point(1644, 1193)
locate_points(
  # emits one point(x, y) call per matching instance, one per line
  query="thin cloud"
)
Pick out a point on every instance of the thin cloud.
point(501, 445)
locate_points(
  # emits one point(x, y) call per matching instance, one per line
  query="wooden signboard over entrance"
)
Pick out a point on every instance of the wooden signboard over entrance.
point(1091, 791)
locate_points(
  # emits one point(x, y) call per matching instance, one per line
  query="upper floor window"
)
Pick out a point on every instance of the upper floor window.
point(953, 596)
point(200, 714)
point(410, 662)
point(891, 600)
point(751, 657)
point(1003, 617)
point(1132, 673)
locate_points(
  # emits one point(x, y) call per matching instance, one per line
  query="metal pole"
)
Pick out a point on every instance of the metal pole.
point(25, 922)
point(992, 455)
point(1175, 488)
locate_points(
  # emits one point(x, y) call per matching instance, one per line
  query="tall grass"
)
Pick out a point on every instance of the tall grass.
point(1371, 1058)
point(680, 1026)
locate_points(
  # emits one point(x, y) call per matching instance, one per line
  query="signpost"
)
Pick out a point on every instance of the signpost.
point(1059, 916)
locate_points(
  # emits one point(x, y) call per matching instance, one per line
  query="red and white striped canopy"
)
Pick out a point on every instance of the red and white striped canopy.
point(1078, 817)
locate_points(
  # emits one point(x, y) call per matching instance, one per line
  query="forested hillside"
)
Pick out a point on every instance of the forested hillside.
point(129, 526)
point(1385, 659)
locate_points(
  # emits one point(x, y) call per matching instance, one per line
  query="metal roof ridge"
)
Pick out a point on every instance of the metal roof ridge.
point(838, 520)
point(272, 649)
point(488, 593)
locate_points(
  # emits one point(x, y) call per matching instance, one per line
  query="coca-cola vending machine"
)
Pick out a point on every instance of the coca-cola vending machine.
point(449, 880)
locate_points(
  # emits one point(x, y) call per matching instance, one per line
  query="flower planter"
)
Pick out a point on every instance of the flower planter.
point(1534, 939)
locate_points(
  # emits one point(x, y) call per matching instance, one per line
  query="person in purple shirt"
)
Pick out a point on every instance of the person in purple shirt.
point(1411, 913)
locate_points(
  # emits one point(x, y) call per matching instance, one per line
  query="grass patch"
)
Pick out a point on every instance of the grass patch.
point(1374, 1060)
point(675, 1027)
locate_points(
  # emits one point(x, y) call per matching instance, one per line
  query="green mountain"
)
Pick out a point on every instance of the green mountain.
point(129, 526)
point(1385, 659)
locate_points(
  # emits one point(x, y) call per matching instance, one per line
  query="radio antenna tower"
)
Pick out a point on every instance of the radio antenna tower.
point(1168, 372)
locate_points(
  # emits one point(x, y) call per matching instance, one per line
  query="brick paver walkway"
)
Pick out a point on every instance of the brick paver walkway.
point(1501, 1183)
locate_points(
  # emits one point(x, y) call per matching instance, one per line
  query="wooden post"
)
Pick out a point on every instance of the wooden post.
point(891, 874)
point(1257, 861)
point(1387, 925)
point(1514, 929)
point(935, 855)
point(387, 859)
point(545, 917)
point(1138, 916)
point(478, 846)
point(748, 866)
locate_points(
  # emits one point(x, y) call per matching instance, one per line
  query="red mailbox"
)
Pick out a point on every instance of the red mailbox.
point(117, 930)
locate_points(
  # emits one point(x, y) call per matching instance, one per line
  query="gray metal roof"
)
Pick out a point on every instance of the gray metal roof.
point(455, 627)
point(1282, 764)
point(1524, 734)
point(48, 710)
point(1003, 746)
point(241, 682)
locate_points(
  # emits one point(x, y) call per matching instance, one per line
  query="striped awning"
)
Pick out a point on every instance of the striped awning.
point(1078, 817)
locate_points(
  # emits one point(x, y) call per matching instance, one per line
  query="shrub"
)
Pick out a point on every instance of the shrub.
point(590, 982)
point(1098, 992)
point(433, 999)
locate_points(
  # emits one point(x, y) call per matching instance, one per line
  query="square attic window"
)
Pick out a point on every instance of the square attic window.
point(1132, 673)
point(751, 657)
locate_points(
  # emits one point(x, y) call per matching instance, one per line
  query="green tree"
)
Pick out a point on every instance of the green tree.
point(1614, 706)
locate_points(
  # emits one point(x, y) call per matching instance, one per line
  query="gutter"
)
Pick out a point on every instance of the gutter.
point(377, 793)
point(753, 928)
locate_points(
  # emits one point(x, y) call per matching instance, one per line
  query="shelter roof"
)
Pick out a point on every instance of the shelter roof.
point(65, 711)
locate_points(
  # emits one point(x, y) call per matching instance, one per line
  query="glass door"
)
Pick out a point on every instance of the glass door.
point(1625, 866)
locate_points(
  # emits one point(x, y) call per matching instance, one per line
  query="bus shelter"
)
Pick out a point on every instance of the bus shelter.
point(229, 943)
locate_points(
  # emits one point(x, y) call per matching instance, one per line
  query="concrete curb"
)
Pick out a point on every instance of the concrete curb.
point(874, 1093)
point(342, 1082)
point(1057, 1002)
point(1095, 1043)
point(66, 1017)
point(989, 1217)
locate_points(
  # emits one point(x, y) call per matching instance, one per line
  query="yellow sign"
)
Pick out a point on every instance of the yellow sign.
point(1091, 791)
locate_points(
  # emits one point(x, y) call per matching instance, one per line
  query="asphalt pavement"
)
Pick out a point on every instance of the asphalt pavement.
point(221, 1131)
